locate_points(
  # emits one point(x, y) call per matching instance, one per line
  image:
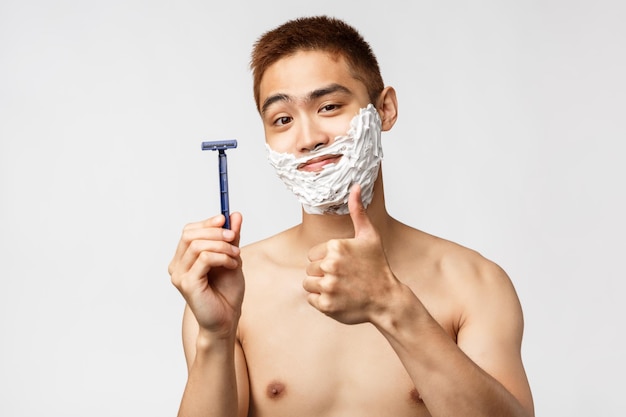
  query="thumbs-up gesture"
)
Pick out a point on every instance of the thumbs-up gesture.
point(350, 279)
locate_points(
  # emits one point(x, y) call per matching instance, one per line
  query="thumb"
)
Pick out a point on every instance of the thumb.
point(235, 225)
point(360, 220)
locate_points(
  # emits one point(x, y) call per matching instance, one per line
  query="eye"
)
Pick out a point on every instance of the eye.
point(329, 107)
point(281, 121)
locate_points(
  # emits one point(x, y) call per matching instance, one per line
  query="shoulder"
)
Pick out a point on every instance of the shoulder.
point(447, 260)
point(472, 295)
point(456, 264)
point(486, 314)
point(484, 292)
point(475, 279)
point(465, 265)
point(460, 275)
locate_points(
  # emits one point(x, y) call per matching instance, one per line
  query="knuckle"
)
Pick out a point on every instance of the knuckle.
point(205, 257)
point(328, 285)
point(325, 305)
point(187, 235)
point(176, 281)
point(334, 245)
point(186, 229)
point(195, 246)
point(184, 286)
point(330, 265)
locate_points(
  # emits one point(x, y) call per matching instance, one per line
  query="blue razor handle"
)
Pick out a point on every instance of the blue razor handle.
point(223, 167)
point(221, 147)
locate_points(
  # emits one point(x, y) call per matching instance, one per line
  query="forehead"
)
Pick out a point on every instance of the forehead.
point(305, 71)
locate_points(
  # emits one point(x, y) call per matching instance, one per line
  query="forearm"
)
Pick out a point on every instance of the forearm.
point(211, 388)
point(449, 382)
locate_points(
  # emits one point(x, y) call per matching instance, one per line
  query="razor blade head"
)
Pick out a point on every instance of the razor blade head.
point(218, 145)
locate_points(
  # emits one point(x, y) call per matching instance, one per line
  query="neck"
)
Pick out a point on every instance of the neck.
point(316, 228)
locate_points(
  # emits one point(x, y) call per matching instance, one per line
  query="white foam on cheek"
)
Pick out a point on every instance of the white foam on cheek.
point(327, 191)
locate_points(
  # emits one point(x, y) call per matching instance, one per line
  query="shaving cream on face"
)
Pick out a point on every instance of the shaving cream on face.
point(327, 191)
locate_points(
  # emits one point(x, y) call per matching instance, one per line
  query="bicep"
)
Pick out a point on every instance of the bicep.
point(190, 332)
point(491, 334)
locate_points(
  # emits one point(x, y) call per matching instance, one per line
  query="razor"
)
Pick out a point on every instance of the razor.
point(221, 146)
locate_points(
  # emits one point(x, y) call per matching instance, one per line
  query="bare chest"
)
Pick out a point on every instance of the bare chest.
point(301, 362)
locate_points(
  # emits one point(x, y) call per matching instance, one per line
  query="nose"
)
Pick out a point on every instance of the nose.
point(311, 137)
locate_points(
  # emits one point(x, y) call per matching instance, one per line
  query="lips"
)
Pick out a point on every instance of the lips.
point(317, 164)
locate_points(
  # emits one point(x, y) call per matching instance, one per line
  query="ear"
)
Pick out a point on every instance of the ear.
point(387, 107)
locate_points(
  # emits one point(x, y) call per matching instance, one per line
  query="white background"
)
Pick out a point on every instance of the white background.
point(510, 141)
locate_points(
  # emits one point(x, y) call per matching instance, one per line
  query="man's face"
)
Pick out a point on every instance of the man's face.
point(307, 99)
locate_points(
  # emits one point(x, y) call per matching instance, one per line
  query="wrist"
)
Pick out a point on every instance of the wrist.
point(401, 309)
point(208, 341)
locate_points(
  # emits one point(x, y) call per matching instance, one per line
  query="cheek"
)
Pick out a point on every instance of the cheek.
point(279, 142)
point(336, 126)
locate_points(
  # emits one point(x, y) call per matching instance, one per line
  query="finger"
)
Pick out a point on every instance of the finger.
point(313, 299)
point(311, 284)
point(317, 252)
point(321, 302)
point(193, 234)
point(208, 260)
point(215, 221)
point(236, 219)
point(314, 269)
point(201, 250)
point(189, 234)
point(360, 220)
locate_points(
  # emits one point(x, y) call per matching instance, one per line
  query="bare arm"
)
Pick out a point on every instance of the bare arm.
point(210, 361)
point(480, 375)
point(207, 271)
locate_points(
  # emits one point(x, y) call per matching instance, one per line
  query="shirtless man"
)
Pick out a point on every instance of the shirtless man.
point(349, 313)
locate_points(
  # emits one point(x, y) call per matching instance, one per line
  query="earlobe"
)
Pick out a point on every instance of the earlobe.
point(388, 108)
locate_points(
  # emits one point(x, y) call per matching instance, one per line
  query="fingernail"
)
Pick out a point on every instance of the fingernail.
point(228, 234)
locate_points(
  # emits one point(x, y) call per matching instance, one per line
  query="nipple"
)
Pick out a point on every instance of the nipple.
point(416, 397)
point(275, 390)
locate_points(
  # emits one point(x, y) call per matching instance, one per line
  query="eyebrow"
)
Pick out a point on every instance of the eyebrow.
point(313, 95)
